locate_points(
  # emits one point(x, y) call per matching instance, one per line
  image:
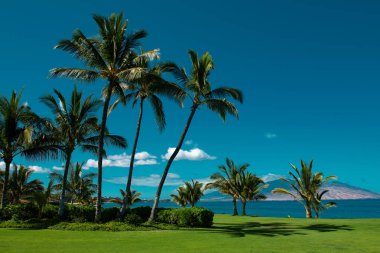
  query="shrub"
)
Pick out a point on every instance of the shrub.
point(50, 212)
point(143, 212)
point(133, 219)
point(187, 217)
point(79, 213)
point(19, 212)
point(109, 214)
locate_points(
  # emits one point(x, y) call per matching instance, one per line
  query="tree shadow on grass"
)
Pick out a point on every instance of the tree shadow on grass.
point(272, 229)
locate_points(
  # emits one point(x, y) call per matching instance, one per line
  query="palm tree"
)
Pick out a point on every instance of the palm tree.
point(148, 87)
point(305, 186)
point(249, 188)
point(42, 198)
point(181, 197)
point(109, 57)
point(199, 89)
point(226, 181)
point(134, 197)
point(21, 188)
point(194, 190)
point(75, 125)
point(318, 205)
point(80, 186)
point(20, 135)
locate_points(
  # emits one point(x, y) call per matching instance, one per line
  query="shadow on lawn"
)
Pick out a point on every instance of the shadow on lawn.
point(272, 229)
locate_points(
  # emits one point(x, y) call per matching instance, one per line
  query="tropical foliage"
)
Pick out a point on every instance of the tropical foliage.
point(132, 198)
point(305, 188)
point(189, 193)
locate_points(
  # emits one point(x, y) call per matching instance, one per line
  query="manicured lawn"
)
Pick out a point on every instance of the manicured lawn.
point(229, 234)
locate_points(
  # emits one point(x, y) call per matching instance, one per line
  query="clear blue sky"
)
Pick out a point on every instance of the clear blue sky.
point(309, 70)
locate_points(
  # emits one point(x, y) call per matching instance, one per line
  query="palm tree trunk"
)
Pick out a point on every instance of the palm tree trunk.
point(61, 210)
point(235, 207)
point(243, 203)
point(4, 196)
point(100, 154)
point(128, 191)
point(308, 212)
point(171, 159)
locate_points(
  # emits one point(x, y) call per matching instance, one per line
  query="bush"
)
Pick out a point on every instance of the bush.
point(50, 212)
point(19, 212)
point(79, 213)
point(187, 217)
point(109, 214)
point(143, 212)
point(133, 219)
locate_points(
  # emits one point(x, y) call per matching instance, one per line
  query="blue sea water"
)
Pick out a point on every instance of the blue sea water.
point(364, 208)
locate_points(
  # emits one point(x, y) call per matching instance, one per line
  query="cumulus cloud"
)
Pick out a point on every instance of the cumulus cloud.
point(39, 169)
point(123, 160)
point(194, 154)
point(270, 135)
point(57, 168)
point(271, 177)
point(150, 181)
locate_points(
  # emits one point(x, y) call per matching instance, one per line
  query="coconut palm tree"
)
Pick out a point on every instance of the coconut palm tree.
point(80, 186)
point(20, 135)
point(149, 87)
point(200, 91)
point(305, 186)
point(134, 197)
point(194, 191)
point(21, 188)
point(318, 205)
point(75, 125)
point(42, 198)
point(181, 197)
point(226, 181)
point(107, 56)
point(249, 188)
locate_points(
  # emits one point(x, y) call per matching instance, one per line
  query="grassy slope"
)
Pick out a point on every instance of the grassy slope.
point(230, 234)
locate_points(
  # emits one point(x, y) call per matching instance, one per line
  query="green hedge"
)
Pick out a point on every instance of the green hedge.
point(187, 217)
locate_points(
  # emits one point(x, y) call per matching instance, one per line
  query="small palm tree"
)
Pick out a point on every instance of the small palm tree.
point(194, 191)
point(318, 205)
point(42, 198)
point(199, 89)
point(149, 87)
point(80, 186)
point(132, 198)
point(108, 56)
point(226, 181)
point(75, 125)
point(181, 197)
point(21, 188)
point(305, 186)
point(20, 135)
point(249, 188)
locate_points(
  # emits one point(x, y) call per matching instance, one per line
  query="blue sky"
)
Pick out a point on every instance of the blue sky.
point(309, 71)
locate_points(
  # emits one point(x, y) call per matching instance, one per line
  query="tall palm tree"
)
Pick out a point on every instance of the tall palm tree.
point(21, 188)
point(249, 188)
point(199, 89)
point(80, 186)
point(109, 57)
point(149, 87)
point(305, 185)
point(227, 181)
point(181, 197)
point(75, 125)
point(20, 135)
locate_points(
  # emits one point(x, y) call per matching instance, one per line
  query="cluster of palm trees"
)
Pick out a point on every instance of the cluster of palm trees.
point(189, 193)
point(131, 75)
point(239, 183)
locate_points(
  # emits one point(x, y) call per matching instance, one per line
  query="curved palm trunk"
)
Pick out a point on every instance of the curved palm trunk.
point(61, 210)
point(4, 197)
point(235, 207)
point(128, 191)
point(170, 161)
point(100, 155)
point(244, 204)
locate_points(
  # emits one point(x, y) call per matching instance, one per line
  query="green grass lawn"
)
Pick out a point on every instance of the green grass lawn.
point(229, 234)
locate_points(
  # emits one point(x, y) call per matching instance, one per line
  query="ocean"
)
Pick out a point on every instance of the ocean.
point(363, 208)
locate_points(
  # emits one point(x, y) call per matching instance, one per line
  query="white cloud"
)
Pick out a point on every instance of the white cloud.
point(188, 142)
point(2, 165)
point(271, 177)
point(194, 154)
point(150, 181)
point(123, 160)
point(39, 169)
point(57, 168)
point(270, 135)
